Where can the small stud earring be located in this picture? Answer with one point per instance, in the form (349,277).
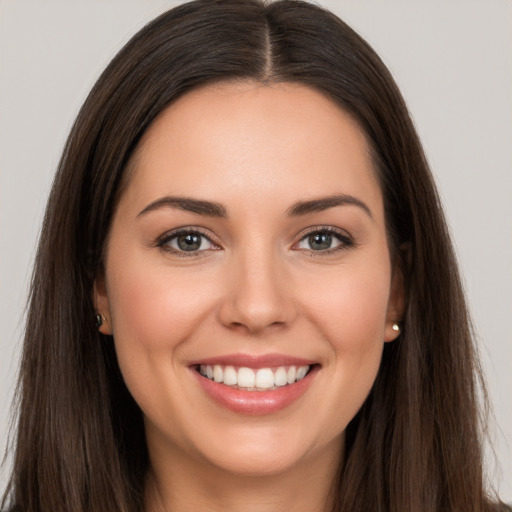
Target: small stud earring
(396,327)
(99,320)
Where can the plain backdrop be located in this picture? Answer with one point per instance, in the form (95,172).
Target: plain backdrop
(452,60)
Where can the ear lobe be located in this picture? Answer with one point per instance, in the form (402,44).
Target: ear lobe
(101,305)
(396,304)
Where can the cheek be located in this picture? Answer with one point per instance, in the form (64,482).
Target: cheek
(153,306)
(351,317)
(350,310)
(154,310)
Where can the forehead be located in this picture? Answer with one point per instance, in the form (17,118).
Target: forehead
(279,140)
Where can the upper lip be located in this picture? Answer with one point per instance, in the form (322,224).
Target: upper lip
(254,361)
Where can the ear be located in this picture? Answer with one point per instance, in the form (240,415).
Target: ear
(396,304)
(101,304)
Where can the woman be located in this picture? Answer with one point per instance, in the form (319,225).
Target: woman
(242,305)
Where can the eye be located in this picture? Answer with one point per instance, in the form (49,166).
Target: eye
(325,239)
(186,241)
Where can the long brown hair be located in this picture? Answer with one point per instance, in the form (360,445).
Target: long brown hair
(415,444)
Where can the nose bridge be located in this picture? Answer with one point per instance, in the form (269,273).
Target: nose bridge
(257,296)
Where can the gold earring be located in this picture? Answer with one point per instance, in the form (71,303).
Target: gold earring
(396,327)
(100,319)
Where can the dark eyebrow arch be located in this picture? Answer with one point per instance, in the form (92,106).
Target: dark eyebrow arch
(324,203)
(188,204)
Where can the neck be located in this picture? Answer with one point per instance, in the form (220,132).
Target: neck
(197,486)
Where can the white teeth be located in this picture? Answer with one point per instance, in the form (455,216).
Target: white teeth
(247,378)
(301,372)
(292,373)
(230,376)
(280,377)
(265,378)
(218,374)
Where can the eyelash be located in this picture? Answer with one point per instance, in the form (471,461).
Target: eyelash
(346,241)
(168,237)
(344,238)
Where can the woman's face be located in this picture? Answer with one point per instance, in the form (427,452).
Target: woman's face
(250,245)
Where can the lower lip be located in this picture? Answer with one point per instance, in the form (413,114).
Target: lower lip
(256,402)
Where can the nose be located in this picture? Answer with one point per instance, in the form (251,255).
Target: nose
(258,294)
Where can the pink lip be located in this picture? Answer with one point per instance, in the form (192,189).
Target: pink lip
(256,402)
(254,361)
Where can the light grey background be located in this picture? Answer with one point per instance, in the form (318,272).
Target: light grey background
(452,60)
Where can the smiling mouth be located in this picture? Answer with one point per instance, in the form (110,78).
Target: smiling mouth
(249,379)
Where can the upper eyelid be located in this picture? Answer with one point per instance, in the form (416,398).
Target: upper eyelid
(318,229)
(346,240)
(168,235)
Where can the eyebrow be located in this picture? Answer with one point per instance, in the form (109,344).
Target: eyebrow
(212,209)
(324,203)
(188,204)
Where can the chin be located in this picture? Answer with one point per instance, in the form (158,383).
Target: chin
(262,462)
(267,450)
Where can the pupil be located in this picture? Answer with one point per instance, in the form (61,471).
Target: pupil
(320,241)
(189,242)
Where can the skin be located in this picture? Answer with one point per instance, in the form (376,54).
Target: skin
(257,288)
